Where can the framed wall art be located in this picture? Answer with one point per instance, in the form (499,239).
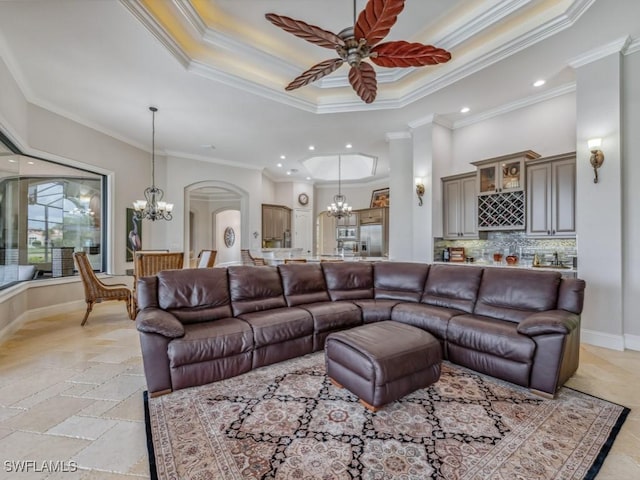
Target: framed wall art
(134,234)
(380,198)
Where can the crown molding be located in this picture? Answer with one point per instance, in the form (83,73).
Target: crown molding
(632,47)
(617,46)
(389,136)
(430,119)
(337,104)
(518,104)
(138,11)
(217,161)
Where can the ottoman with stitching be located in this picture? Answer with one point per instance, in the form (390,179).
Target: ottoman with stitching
(382,362)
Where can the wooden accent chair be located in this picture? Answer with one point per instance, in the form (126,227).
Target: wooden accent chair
(148,264)
(96,292)
(248,259)
(206,258)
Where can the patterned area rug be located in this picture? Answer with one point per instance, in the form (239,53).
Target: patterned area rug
(287,421)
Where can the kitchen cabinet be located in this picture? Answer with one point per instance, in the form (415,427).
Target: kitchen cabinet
(551,196)
(276,225)
(501,191)
(460,206)
(372,215)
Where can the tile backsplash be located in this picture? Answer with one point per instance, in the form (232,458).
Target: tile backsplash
(511,243)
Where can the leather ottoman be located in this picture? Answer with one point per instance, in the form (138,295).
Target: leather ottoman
(382,362)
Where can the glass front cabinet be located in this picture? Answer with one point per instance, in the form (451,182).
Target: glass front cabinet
(501,186)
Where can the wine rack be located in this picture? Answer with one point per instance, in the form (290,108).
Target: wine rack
(502,211)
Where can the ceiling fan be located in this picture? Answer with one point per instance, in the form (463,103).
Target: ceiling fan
(355,44)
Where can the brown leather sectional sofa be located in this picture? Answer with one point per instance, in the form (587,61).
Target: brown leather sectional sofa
(202,325)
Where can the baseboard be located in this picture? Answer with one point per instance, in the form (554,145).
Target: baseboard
(632,342)
(601,339)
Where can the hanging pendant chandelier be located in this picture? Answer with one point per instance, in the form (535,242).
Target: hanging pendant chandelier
(153,207)
(339,208)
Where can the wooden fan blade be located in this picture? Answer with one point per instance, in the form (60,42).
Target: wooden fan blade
(310,33)
(377,18)
(314,73)
(363,81)
(405,54)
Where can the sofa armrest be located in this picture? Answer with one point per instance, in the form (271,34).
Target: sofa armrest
(550,321)
(156,320)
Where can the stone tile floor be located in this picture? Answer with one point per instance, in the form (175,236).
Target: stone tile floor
(73,395)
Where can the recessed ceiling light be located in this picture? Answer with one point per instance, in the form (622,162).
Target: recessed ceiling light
(539,83)
(348,145)
(308,178)
(279,165)
(465,110)
(30,162)
(282,157)
(11,160)
(288,172)
(311,147)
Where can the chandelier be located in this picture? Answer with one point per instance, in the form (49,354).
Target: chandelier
(339,208)
(153,207)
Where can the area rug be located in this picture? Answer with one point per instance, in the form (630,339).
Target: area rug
(287,421)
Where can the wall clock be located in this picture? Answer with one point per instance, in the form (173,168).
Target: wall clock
(303,198)
(229,237)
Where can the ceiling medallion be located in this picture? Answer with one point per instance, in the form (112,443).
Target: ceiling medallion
(357,43)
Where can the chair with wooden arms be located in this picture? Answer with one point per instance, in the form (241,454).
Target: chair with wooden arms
(248,259)
(206,258)
(148,264)
(95,291)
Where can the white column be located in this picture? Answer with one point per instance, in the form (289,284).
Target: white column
(599,205)
(401,196)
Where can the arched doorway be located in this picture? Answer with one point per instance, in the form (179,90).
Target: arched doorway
(205,206)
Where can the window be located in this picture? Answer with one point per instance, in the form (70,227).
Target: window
(47,211)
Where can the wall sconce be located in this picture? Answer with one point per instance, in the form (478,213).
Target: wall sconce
(419,190)
(597,157)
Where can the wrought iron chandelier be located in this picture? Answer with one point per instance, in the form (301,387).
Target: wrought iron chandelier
(153,207)
(339,208)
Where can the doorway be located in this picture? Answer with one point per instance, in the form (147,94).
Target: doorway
(213,206)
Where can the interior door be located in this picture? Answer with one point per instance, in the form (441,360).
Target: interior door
(302,230)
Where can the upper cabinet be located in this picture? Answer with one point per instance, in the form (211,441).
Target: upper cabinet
(551,196)
(460,206)
(276,225)
(501,187)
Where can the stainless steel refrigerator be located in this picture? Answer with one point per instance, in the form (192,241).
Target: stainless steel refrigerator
(371,240)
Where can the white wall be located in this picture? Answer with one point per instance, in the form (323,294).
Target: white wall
(546,127)
(631,199)
(228,255)
(599,210)
(39,132)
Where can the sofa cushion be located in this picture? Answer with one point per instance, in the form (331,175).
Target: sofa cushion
(452,286)
(488,335)
(510,294)
(203,342)
(399,280)
(278,325)
(254,289)
(348,280)
(303,283)
(374,310)
(329,316)
(194,295)
(427,317)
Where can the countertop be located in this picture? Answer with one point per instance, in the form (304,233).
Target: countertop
(563,270)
